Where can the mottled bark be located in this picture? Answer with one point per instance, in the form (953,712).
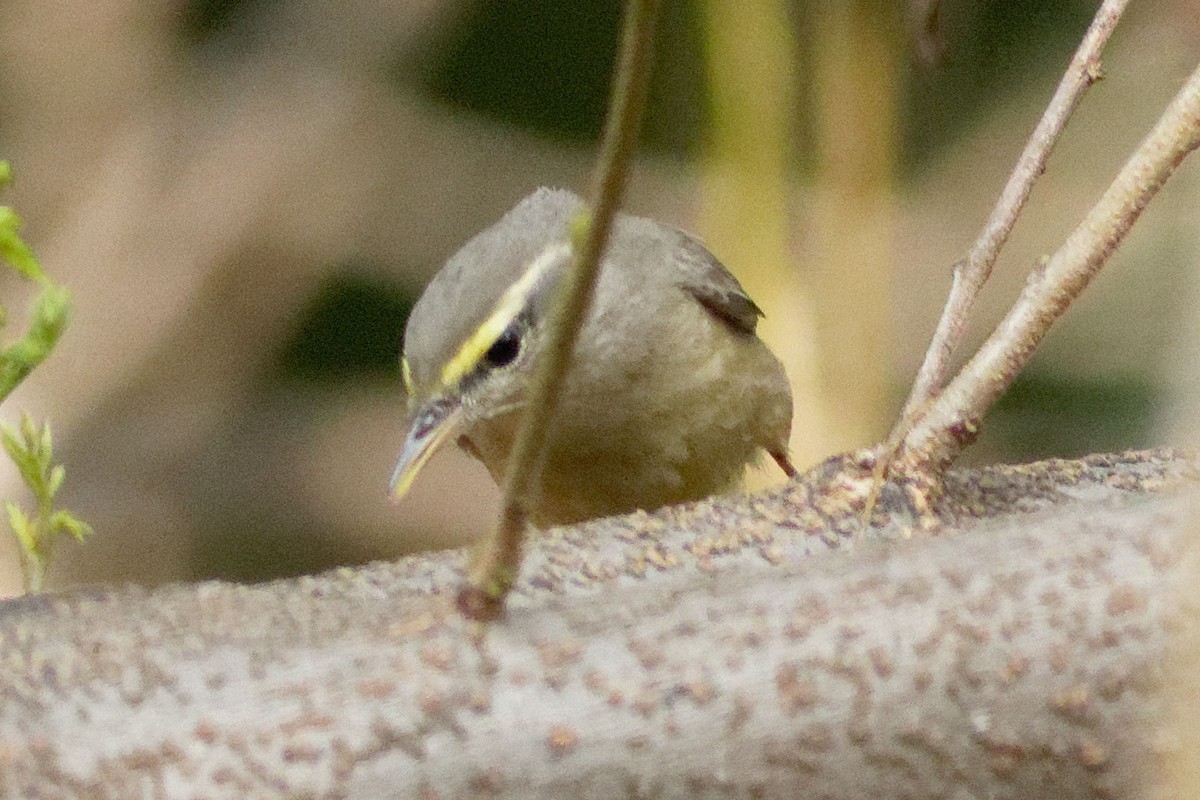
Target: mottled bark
(749,647)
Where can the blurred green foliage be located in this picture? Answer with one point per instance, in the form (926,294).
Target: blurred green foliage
(546,65)
(31,447)
(351,329)
(1046,415)
(203,22)
(245,548)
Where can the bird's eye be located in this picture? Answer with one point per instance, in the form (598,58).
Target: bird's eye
(504,350)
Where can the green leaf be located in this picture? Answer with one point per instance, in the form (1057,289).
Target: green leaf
(29,432)
(14,250)
(26,461)
(57,475)
(65,520)
(8,438)
(51,313)
(45,445)
(21,526)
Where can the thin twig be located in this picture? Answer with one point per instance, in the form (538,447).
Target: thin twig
(939,435)
(972,272)
(494,568)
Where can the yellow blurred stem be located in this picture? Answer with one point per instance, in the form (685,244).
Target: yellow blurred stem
(856,52)
(751,61)
(826,322)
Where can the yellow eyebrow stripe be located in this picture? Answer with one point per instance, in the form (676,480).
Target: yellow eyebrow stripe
(406,375)
(510,304)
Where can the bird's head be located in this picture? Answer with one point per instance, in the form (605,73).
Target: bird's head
(473,336)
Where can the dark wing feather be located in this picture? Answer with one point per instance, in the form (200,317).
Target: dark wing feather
(705,279)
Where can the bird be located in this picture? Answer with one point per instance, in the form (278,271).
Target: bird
(669,393)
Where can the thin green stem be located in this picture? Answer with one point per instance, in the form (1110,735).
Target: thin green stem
(495,567)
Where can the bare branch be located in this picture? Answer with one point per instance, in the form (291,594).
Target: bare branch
(971,273)
(493,572)
(942,432)
(694,652)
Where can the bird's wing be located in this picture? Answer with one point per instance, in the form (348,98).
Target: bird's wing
(707,280)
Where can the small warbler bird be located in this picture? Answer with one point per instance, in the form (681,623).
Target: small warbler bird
(669,392)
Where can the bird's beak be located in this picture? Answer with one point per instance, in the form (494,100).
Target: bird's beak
(434,421)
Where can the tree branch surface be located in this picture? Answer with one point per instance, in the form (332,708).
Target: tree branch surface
(751,646)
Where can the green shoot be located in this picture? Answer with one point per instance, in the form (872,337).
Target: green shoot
(30,447)
(31,450)
(51,308)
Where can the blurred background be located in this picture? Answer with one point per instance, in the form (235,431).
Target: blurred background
(246,197)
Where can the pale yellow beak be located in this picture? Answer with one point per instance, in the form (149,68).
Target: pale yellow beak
(434,422)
